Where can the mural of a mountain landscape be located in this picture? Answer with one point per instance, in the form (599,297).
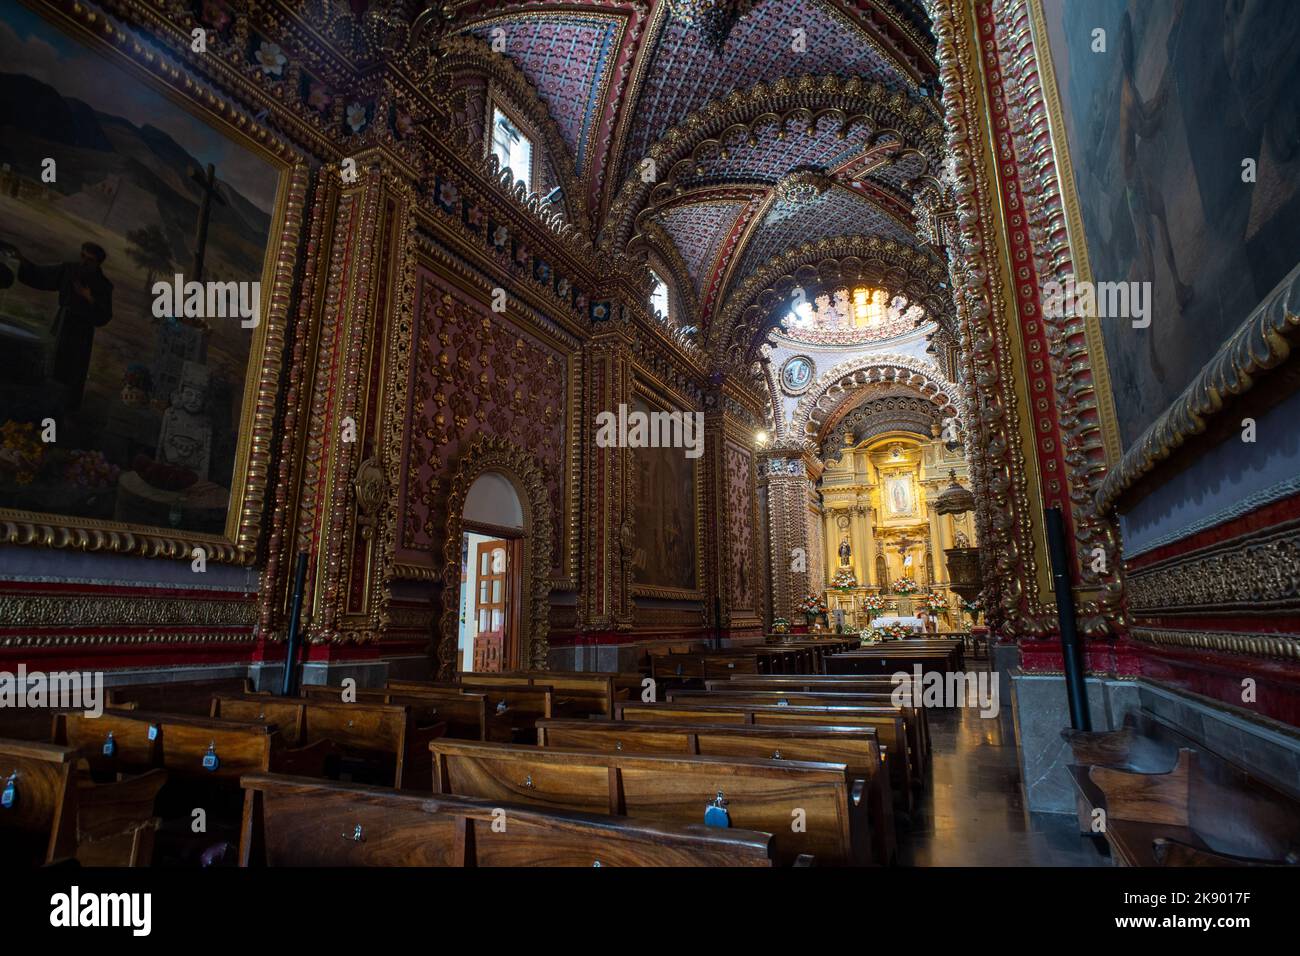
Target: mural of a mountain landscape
(149,436)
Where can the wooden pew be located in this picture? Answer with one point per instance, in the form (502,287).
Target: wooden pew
(887,659)
(578,693)
(57,814)
(1199,808)
(762,794)
(463,712)
(915,719)
(296,821)
(512,710)
(888,723)
(181,744)
(179,697)
(855,747)
(392,737)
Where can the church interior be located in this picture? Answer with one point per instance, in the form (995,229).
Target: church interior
(650,433)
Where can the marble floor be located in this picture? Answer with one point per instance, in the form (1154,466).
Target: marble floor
(971,812)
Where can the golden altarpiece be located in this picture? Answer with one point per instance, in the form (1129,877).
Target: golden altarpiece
(882,529)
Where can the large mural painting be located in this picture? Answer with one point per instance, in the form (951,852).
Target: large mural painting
(1209,220)
(664,516)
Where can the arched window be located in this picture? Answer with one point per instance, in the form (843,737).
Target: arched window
(513,150)
(658,296)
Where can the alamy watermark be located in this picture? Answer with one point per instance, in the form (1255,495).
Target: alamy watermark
(208,300)
(1105,300)
(58,690)
(950,689)
(637,429)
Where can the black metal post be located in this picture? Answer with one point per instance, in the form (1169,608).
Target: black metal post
(1071,648)
(289,686)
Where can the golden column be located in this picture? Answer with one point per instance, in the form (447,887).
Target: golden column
(937,543)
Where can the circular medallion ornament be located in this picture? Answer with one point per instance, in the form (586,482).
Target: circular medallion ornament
(797,374)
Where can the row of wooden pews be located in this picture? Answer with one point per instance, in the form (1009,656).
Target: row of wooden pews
(544,768)
(1162,799)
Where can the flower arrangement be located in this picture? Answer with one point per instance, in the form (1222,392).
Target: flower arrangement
(845,579)
(934,603)
(780,626)
(21,451)
(905,586)
(812,604)
(972,608)
(873,604)
(898,630)
(90,469)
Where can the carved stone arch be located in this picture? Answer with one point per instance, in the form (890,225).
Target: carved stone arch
(729,123)
(826,394)
(917,274)
(466,52)
(496,454)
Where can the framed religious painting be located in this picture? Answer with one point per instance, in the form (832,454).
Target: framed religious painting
(141,238)
(899,495)
(1181,141)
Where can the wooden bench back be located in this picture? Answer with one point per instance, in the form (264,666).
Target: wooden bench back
(40,827)
(576,693)
(287,714)
(891,731)
(294,821)
(179,697)
(762,794)
(855,747)
(806,682)
(59,814)
(179,744)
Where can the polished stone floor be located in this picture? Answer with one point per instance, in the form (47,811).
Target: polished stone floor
(971,812)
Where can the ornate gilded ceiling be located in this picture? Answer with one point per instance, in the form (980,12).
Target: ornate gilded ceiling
(732,103)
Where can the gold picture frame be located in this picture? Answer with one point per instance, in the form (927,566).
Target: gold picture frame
(213,106)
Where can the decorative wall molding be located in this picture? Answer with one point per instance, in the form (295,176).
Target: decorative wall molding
(1259,571)
(1274,646)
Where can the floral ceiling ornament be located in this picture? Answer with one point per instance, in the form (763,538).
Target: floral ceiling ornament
(271,58)
(713,18)
(356,116)
(802,185)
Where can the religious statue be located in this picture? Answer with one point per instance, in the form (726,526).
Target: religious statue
(846,552)
(186,437)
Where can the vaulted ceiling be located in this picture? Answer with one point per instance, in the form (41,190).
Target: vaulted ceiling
(767,124)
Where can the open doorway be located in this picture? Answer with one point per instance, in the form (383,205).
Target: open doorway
(491,589)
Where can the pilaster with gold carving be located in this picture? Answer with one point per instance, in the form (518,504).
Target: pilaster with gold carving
(608,536)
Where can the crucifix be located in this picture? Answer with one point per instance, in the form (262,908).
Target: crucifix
(207,181)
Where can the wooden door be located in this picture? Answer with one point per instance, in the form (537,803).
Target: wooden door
(491,601)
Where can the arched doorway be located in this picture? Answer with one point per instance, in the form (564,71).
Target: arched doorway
(499,494)
(491,587)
